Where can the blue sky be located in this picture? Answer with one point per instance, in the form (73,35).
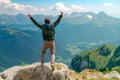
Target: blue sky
(111,7)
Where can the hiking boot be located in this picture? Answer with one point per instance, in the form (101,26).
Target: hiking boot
(52,66)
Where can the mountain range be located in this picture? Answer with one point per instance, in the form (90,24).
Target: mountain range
(74,18)
(87,24)
(21,40)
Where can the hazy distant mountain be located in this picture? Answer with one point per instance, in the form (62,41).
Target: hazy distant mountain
(20,19)
(73,18)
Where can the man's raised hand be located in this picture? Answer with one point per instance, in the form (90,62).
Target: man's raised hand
(61,13)
(29,15)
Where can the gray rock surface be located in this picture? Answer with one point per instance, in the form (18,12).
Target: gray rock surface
(113,74)
(36,72)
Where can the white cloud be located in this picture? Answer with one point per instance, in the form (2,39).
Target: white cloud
(59,7)
(5,1)
(7,7)
(78,8)
(108,4)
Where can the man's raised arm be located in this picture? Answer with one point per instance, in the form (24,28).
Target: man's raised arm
(58,20)
(35,22)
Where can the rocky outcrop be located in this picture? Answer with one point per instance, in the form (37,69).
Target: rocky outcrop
(113,74)
(36,72)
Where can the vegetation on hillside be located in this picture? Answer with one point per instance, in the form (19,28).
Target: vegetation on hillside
(99,59)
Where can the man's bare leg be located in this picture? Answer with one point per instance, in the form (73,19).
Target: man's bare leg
(52,62)
(52,50)
(45,46)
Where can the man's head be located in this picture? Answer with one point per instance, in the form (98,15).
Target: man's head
(47,20)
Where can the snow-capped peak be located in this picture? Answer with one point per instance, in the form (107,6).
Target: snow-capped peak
(89,16)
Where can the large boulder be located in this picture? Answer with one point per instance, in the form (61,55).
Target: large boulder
(36,72)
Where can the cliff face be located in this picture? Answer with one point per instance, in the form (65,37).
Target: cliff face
(36,72)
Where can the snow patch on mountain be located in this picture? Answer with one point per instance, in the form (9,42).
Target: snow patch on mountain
(89,16)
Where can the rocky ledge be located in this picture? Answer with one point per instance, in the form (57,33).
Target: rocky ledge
(36,72)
